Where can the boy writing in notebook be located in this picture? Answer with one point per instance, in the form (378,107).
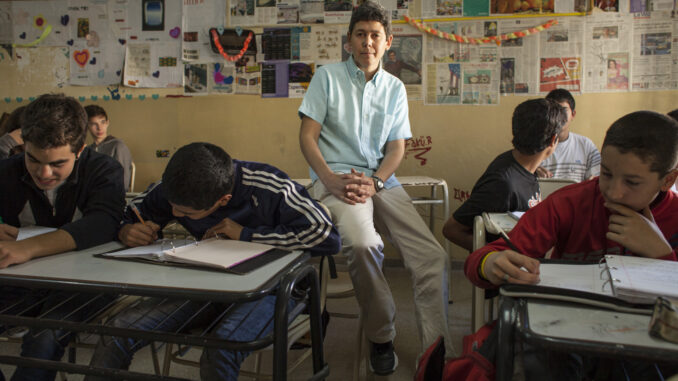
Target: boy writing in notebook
(210,194)
(353,130)
(509,182)
(628,210)
(58,183)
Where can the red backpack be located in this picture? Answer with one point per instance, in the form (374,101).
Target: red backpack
(475,364)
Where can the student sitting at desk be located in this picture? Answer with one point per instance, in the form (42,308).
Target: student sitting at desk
(108,144)
(56,183)
(576,157)
(208,193)
(628,210)
(509,182)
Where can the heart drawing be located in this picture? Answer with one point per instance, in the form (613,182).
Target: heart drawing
(81,57)
(175,32)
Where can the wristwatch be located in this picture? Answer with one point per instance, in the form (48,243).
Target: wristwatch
(378,183)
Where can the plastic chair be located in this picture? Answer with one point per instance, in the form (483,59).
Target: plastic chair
(477,293)
(548,186)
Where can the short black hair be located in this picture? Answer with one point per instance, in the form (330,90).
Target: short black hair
(673,114)
(651,136)
(535,122)
(197,175)
(95,110)
(370,11)
(561,95)
(54,120)
(13,121)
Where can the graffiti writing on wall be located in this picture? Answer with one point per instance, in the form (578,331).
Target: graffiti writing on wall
(418,147)
(461,195)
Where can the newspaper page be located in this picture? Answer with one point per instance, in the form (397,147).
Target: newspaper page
(442,50)
(442,8)
(518,68)
(326,43)
(300,74)
(338,11)
(652,61)
(248,79)
(607,47)
(312,11)
(561,50)
(481,84)
(404,60)
(443,84)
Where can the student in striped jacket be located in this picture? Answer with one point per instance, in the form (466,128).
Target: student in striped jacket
(210,194)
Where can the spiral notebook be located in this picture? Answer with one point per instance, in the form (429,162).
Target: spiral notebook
(625,279)
(223,254)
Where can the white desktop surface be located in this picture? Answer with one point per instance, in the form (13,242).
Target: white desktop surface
(591,324)
(81,267)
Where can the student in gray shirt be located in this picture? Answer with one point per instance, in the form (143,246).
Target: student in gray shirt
(108,144)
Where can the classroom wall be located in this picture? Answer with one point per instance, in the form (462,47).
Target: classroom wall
(463,139)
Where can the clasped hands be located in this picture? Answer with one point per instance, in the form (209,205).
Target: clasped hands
(351,188)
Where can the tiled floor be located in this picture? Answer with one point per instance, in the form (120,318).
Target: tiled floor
(340,343)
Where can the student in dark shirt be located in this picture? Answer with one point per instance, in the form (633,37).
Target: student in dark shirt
(509,182)
(57,183)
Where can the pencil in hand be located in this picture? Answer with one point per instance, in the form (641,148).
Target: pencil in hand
(136,211)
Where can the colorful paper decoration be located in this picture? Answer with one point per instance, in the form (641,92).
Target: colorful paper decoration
(483,40)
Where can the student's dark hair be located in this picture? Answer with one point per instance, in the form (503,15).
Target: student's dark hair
(370,11)
(535,123)
(673,114)
(54,120)
(651,136)
(197,175)
(13,122)
(561,95)
(95,110)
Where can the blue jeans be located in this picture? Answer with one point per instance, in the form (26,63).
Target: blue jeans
(245,322)
(41,343)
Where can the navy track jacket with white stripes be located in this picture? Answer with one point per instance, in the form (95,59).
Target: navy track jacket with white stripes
(271,208)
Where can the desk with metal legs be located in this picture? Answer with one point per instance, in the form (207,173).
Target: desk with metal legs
(576,328)
(82,272)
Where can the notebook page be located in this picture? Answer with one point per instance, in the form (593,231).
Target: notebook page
(588,278)
(223,253)
(32,231)
(639,276)
(154,250)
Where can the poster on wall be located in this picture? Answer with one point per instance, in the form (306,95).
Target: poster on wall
(198,18)
(195,79)
(153,65)
(300,74)
(96,65)
(443,84)
(404,61)
(248,79)
(154,20)
(221,77)
(40,23)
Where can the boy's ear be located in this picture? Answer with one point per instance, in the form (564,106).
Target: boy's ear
(223,200)
(669,180)
(574,113)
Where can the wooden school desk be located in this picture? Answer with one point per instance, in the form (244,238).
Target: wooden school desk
(577,328)
(78,271)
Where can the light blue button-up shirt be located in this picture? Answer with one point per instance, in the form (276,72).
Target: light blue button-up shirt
(358,118)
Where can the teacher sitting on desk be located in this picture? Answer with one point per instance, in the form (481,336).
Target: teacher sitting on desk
(628,210)
(210,194)
(56,183)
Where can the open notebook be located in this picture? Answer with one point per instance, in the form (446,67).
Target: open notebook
(634,280)
(222,254)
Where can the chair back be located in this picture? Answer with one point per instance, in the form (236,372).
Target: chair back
(132,175)
(548,186)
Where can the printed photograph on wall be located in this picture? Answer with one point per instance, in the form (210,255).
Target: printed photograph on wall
(448,84)
(153,15)
(242,8)
(618,71)
(560,72)
(655,44)
(195,79)
(404,58)
(507,75)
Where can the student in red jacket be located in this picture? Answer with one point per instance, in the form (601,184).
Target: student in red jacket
(628,210)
